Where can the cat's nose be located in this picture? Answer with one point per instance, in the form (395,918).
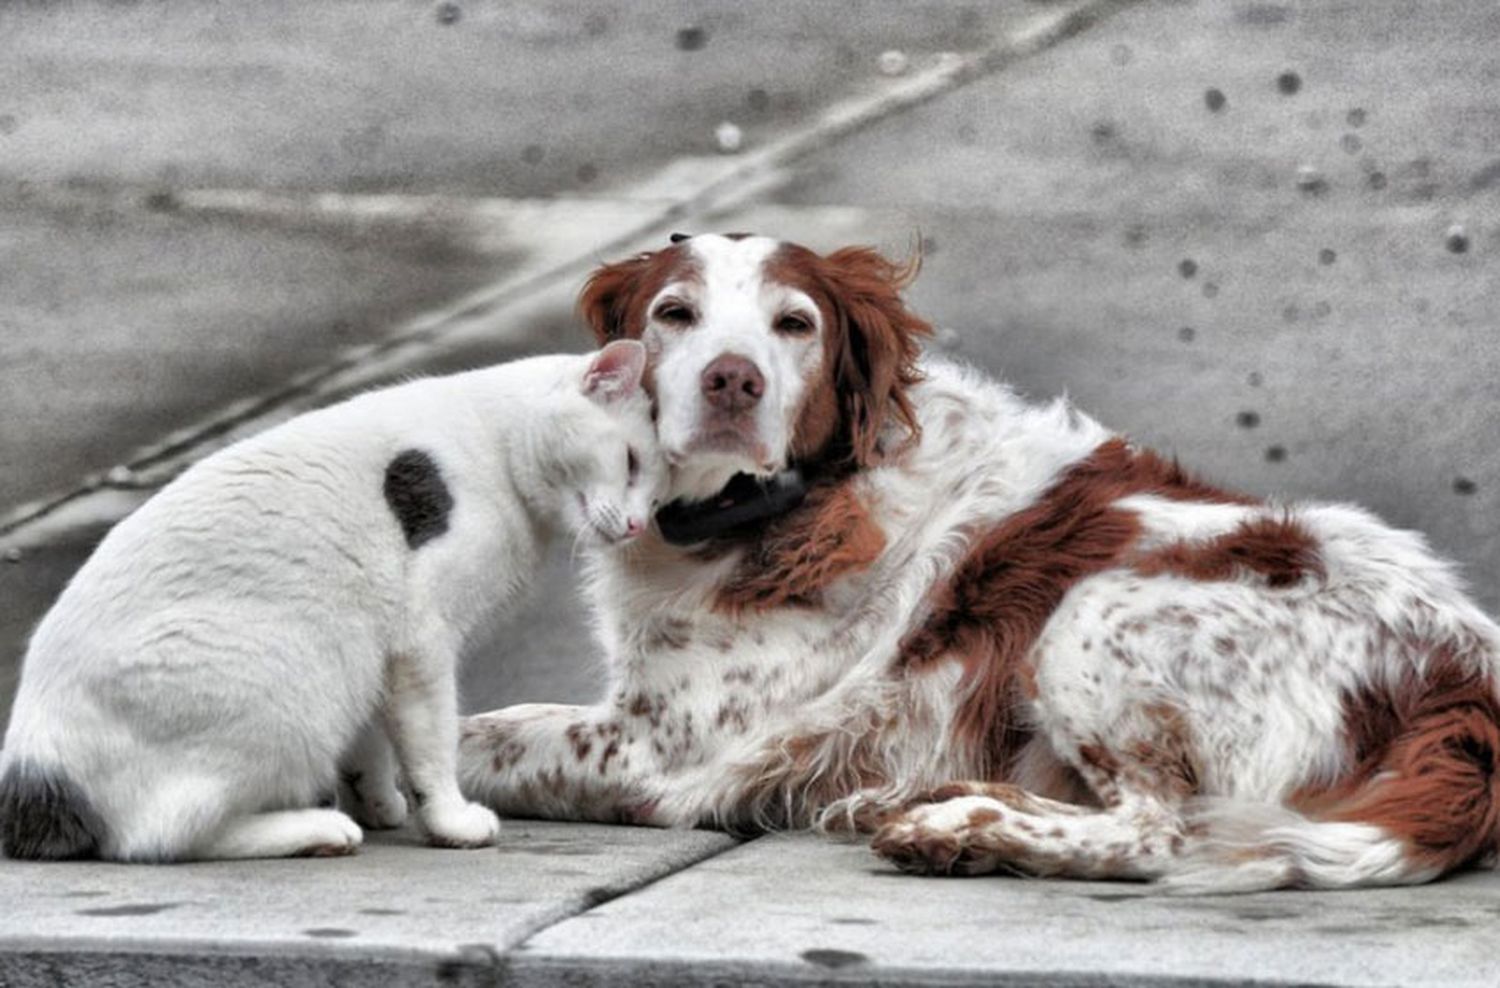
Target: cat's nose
(634,527)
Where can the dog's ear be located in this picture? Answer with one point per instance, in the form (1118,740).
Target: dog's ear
(876,346)
(605,300)
(614,299)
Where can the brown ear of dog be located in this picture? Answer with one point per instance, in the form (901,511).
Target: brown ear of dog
(871,347)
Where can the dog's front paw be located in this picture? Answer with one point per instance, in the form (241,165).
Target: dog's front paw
(460,825)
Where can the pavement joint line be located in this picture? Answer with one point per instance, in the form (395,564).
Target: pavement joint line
(719,188)
(604,894)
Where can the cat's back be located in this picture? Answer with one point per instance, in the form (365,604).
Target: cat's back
(305,506)
(290,522)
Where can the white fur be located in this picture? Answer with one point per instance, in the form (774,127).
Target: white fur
(201,677)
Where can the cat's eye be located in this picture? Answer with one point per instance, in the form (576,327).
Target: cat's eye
(632,464)
(675,312)
(794,324)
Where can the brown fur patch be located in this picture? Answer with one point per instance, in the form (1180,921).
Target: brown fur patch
(984,816)
(1166,762)
(1425,755)
(1280,550)
(578,737)
(830,536)
(993,608)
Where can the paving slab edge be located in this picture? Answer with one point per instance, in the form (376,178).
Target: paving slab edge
(148,969)
(566,972)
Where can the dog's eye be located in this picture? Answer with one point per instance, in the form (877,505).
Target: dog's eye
(675,313)
(793,324)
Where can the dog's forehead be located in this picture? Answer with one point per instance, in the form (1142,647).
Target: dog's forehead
(732,265)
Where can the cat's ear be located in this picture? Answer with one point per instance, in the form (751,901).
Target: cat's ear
(615,372)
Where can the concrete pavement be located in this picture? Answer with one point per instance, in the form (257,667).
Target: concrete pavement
(398,911)
(797,909)
(1227,228)
(582,905)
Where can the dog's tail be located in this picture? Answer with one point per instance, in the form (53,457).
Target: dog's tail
(45,816)
(1424,803)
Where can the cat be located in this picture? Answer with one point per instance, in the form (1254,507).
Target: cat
(192,692)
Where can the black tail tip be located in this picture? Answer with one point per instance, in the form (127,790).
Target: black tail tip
(45,816)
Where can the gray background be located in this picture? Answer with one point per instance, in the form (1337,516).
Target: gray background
(204,207)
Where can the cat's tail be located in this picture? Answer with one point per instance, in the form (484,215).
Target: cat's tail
(45,816)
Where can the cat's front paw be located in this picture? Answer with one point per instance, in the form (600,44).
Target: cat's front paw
(461,825)
(385,811)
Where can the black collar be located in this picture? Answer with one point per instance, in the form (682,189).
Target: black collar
(745,502)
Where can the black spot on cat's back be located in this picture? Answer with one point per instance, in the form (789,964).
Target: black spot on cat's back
(417,496)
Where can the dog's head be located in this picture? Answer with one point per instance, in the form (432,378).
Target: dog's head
(764,353)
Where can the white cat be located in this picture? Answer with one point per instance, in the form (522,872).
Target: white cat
(193,690)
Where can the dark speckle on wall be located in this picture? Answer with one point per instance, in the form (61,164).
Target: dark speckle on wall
(691,39)
(834,958)
(131,909)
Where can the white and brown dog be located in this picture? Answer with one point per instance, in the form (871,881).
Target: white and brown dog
(994,633)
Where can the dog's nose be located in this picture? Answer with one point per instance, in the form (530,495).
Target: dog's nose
(733,383)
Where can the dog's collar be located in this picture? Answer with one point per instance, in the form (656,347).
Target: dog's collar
(744,502)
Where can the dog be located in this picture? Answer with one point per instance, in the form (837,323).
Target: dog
(894,599)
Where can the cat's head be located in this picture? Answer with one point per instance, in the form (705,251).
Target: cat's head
(617,473)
